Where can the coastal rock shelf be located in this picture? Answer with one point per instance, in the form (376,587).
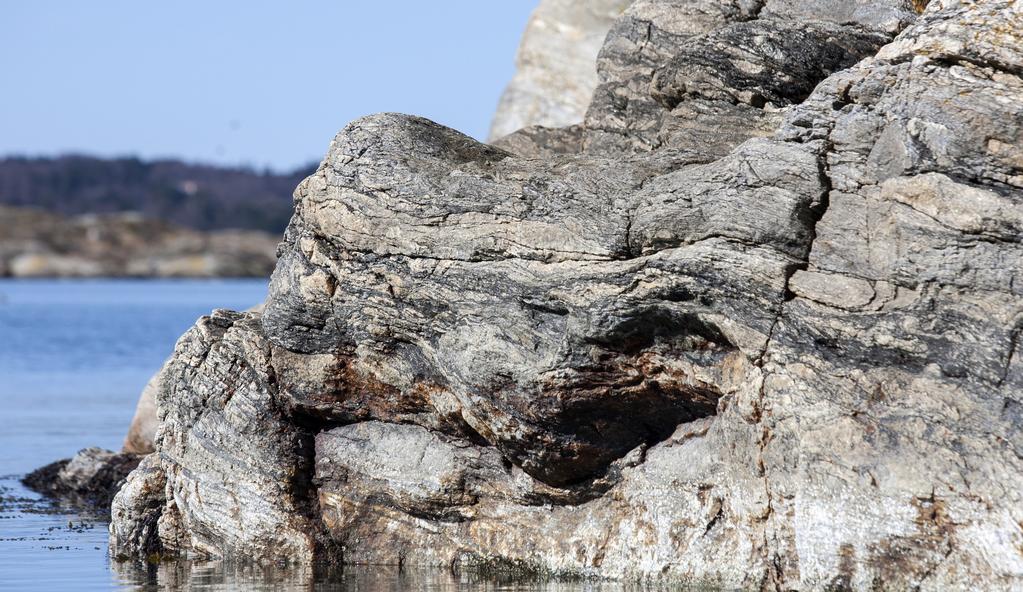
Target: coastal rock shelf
(39,244)
(754,322)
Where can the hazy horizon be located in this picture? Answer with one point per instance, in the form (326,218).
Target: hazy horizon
(258,84)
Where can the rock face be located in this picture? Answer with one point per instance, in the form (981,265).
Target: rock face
(218,423)
(39,244)
(555,75)
(141,436)
(756,322)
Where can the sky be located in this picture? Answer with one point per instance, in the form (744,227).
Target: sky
(256,83)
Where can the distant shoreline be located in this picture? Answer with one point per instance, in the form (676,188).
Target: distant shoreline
(39,244)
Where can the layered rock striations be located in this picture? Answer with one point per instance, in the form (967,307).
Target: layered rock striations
(755,322)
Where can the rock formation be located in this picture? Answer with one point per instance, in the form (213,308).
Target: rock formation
(34,243)
(141,435)
(755,322)
(88,480)
(555,75)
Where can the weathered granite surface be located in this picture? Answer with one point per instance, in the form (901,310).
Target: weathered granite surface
(34,243)
(756,322)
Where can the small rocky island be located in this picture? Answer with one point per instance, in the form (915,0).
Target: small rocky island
(754,321)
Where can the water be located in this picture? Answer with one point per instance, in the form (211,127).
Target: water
(74,355)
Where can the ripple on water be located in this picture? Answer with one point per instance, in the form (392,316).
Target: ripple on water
(63,549)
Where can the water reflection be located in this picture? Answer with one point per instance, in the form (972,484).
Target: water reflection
(221,576)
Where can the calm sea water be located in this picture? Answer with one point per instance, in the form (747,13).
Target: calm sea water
(74,356)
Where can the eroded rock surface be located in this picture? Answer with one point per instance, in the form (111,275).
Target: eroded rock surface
(756,322)
(141,436)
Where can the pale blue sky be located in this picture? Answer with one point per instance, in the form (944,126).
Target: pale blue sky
(255,82)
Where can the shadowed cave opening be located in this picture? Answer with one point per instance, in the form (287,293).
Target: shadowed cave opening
(656,370)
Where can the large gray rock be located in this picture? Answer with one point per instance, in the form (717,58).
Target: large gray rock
(755,323)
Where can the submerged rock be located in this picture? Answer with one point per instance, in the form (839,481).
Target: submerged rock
(555,74)
(90,479)
(755,322)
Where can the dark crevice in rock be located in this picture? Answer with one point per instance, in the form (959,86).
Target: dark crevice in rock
(948,61)
(307,499)
(637,390)
(629,252)
(1014,343)
(811,215)
(1000,186)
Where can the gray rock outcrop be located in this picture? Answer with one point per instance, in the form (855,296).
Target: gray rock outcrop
(555,74)
(141,436)
(755,322)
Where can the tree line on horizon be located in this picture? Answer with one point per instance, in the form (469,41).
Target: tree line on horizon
(198,196)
